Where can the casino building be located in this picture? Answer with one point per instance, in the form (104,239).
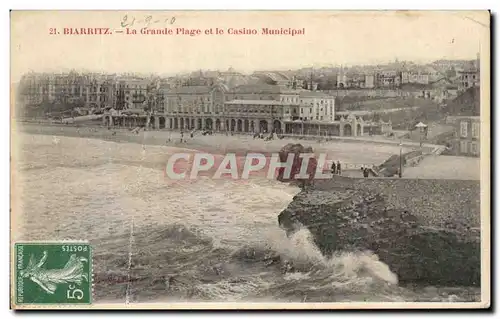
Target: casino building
(249,108)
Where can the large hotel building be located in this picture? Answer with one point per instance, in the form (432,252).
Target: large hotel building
(252,108)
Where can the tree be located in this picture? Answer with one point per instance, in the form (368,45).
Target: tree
(305,85)
(120,99)
(331,84)
(451,73)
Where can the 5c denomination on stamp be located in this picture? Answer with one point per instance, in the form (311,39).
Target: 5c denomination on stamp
(53,273)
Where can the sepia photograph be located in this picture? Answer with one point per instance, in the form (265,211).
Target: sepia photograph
(250,159)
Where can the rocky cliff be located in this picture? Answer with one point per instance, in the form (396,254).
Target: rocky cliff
(426,231)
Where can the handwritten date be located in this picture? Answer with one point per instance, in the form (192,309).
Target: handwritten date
(147,20)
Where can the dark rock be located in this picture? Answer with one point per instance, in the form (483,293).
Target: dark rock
(400,220)
(296,149)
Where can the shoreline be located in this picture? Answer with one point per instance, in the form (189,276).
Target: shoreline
(372,140)
(345,151)
(352,155)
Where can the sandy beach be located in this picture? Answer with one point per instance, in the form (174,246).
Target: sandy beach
(346,152)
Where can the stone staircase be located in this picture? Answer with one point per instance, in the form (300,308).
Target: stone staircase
(438,150)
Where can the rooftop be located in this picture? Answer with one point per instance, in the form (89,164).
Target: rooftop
(273,75)
(470,67)
(194,89)
(306,93)
(235,80)
(253,102)
(467,103)
(131,80)
(260,88)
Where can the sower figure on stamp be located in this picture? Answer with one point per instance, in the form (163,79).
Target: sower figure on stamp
(48,279)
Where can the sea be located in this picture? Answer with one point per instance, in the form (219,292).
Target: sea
(201,240)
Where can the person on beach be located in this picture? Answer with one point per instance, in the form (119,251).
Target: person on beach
(339,168)
(334,168)
(365,172)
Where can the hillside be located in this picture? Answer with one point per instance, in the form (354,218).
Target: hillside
(466,104)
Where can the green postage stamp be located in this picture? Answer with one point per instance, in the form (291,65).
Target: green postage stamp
(53,273)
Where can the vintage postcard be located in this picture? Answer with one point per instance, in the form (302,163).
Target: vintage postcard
(250,159)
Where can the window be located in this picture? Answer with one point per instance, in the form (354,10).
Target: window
(463,129)
(301,110)
(463,146)
(474,148)
(475,130)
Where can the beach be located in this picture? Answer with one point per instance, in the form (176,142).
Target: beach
(338,150)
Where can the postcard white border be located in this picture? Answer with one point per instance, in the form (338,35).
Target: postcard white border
(257,5)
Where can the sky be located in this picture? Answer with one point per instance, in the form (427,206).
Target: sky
(331,38)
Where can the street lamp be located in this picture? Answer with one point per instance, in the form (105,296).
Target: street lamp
(400,159)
